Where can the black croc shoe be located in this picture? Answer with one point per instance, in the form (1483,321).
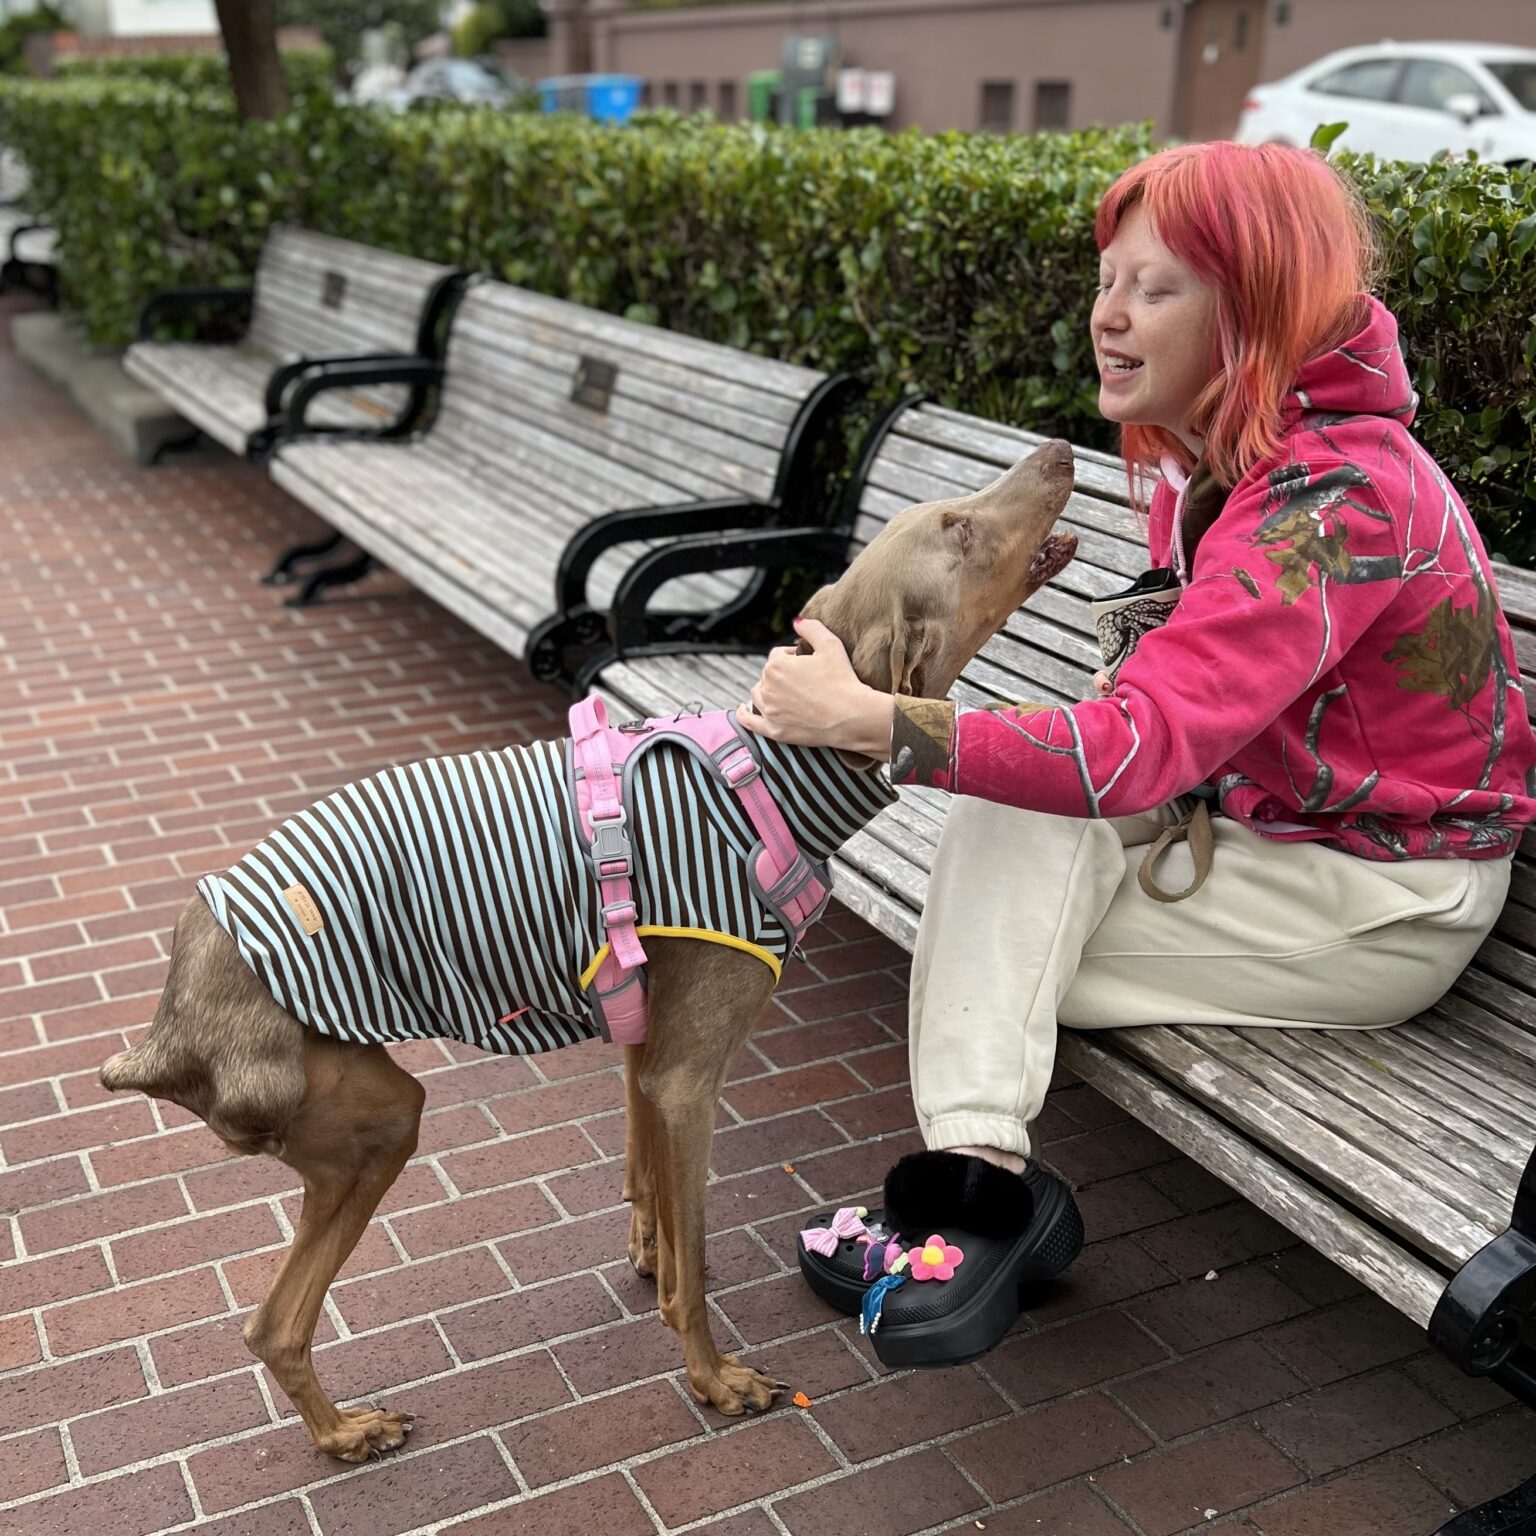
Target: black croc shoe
(838,1277)
(950,1322)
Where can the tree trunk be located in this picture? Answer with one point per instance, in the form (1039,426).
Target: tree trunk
(256,71)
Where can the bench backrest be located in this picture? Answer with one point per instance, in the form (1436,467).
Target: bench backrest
(1048,650)
(317,296)
(661,417)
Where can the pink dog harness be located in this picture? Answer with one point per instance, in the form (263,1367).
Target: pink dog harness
(794,888)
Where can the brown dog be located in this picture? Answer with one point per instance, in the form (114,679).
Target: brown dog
(912,609)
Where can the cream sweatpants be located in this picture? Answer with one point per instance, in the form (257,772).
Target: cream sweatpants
(1033,921)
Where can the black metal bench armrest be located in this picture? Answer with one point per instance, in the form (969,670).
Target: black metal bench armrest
(286,375)
(159,307)
(631,524)
(419,372)
(770,549)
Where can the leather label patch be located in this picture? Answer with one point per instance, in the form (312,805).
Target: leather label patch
(593,384)
(304,909)
(333,289)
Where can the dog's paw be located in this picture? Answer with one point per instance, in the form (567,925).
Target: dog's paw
(365,1432)
(734,1388)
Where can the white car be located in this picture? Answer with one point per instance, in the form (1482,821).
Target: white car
(1406,101)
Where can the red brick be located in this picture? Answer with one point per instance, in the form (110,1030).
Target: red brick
(134,1504)
(816,1042)
(1075,1510)
(732,1469)
(1387,1496)
(374,1363)
(133,1310)
(572,1246)
(911,1493)
(185,1243)
(75,1132)
(600,1504)
(531,1316)
(69,1387)
(44,997)
(209,1349)
(236,1179)
(1201,1312)
(860,1169)
(580,1193)
(173,1421)
(781,1091)
(1356,1336)
(419,1288)
(536,1107)
(25,1066)
(112,1013)
(1172,1490)
(880,1420)
(35,1284)
(31,1463)
(78,1221)
(54,1180)
(559,1445)
(19,1343)
(455,1127)
(875,1114)
(417,1184)
(473,1218)
(475,1080)
(1047,1445)
(167,1152)
(250,1275)
(402,1494)
(503,1162)
(29,1103)
(87,959)
(578,1060)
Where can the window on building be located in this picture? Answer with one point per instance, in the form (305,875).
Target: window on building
(729,111)
(698,95)
(1053,105)
(1240,31)
(997,106)
(1282,13)
(647,95)
(669,93)
(1369,80)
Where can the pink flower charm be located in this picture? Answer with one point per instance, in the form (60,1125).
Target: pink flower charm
(934,1260)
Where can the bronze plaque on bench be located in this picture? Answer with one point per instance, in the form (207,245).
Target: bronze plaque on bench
(593,385)
(333,289)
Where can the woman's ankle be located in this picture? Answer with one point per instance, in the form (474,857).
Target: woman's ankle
(1011,1161)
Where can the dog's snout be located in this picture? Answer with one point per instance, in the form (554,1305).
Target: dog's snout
(1055,455)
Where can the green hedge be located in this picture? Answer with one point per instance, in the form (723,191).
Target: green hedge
(961,265)
(307,70)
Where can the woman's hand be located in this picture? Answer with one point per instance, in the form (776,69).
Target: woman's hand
(817,700)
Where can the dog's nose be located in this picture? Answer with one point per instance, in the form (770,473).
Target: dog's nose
(1057,453)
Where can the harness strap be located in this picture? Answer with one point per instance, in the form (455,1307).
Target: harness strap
(779,871)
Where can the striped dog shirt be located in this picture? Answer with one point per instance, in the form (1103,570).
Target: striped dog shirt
(454,898)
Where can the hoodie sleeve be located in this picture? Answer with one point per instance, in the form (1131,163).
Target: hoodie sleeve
(1297,567)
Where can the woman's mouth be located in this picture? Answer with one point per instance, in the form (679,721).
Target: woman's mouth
(1118,367)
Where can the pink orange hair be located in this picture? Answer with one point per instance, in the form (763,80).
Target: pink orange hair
(1288,248)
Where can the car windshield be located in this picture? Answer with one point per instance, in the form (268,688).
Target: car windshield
(1519,79)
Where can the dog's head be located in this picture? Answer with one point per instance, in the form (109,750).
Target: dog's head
(941,579)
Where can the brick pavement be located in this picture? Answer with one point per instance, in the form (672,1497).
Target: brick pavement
(159,710)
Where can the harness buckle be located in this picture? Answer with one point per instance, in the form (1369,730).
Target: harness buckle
(740,769)
(610,846)
(617,913)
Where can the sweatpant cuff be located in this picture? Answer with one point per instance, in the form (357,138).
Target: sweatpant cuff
(976,1130)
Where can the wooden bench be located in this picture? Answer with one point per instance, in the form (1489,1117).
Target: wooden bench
(1397,1153)
(315,298)
(30,248)
(565,441)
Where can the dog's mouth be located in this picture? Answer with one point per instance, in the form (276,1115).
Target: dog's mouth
(1052,558)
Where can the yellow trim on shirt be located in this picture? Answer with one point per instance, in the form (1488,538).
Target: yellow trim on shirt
(709,936)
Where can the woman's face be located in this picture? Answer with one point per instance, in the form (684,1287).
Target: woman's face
(1152,331)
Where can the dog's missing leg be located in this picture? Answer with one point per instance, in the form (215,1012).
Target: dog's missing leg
(433,900)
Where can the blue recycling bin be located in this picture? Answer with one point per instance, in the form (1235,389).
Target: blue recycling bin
(612,98)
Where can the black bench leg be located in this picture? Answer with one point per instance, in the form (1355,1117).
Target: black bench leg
(340,575)
(1512,1515)
(181,444)
(557,644)
(296,554)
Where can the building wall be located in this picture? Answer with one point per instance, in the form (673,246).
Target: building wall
(1316,27)
(140,18)
(942,54)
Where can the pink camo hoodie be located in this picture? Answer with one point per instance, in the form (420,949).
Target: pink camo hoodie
(1337,666)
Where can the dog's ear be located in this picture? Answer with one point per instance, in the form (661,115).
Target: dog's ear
(891,648)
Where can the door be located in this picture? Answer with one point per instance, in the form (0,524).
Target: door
(1219,54)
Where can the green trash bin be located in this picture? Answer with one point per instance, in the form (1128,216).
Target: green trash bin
(763,88)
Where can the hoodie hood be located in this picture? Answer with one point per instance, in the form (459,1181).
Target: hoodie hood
(1366,376)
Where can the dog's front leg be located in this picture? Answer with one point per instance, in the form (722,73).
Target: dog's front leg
(639,1173)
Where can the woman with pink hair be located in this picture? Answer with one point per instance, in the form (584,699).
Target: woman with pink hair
(1313,690)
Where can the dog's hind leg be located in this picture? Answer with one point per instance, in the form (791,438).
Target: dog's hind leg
(639,1173)
(352,1134)
(704,1000)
